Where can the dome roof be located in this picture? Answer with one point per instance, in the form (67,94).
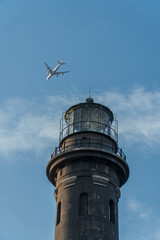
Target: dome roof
(89,100)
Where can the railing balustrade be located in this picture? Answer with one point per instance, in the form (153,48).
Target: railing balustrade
(83,126)
(89,144)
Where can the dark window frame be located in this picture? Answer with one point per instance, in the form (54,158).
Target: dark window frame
(58,213)
(111,211)
(83,204)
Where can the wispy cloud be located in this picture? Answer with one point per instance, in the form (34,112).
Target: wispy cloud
(25,126)
(28,125)
(138,114)
(139,209)
(157,234)
(143,221)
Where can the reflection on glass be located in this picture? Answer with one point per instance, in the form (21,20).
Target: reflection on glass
(101,121)
(70,122)
(77,120)
(94,119)
(107,124)
(85,119)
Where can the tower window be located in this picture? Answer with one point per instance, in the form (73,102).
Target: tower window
(83,204)
(58,213)
(111,211)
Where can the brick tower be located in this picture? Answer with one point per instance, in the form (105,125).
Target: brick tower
(87,169)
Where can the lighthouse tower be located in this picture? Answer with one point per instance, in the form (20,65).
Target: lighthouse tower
(87,169)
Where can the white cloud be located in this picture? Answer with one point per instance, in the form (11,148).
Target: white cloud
(28,125)
(138,115)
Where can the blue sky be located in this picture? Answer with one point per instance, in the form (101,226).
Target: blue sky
(111,47)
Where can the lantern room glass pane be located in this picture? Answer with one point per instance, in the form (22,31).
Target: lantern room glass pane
(70,122)
(107,124)
(107,118)
(101,121)
(77,120)
(85,119)
(94,119)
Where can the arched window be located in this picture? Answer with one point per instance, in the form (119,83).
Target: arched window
(111,211)
(58,213)
(83,204)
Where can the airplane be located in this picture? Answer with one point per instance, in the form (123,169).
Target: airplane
(54,71)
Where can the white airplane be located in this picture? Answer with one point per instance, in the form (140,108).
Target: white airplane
(54,71)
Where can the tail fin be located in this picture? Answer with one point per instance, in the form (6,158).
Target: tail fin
(60,62)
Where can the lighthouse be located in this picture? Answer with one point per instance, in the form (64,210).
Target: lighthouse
(87,169)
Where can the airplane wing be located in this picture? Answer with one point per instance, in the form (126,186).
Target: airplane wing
(48,68)
(57,73)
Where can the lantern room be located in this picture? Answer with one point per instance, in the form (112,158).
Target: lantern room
(89,117)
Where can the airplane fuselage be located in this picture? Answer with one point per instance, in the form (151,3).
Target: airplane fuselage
(51,74)
(56,68)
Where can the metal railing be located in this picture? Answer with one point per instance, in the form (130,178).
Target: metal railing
(89,143)
(83,126)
